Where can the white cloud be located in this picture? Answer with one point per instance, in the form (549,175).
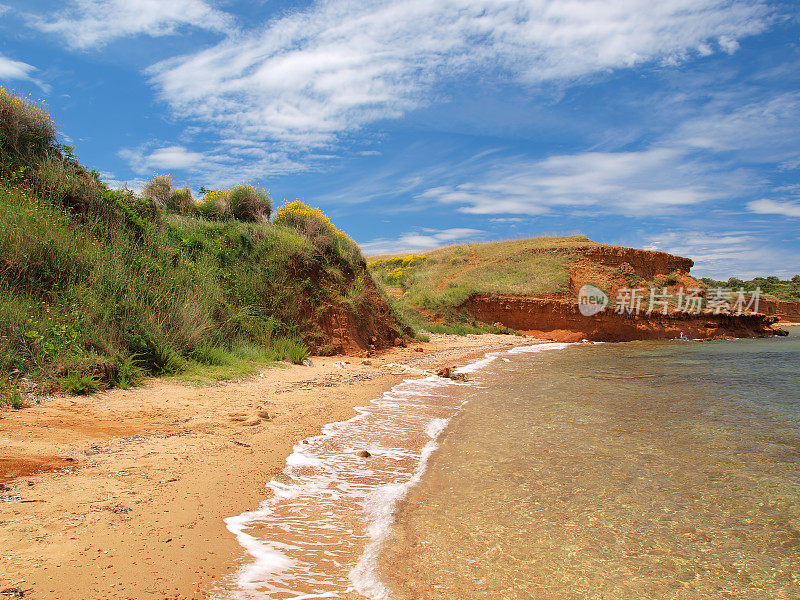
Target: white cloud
(764,131)
(11,70)
(91,23)
(656,181)
(766,206)
(423,239)
(723,255)
(14,69)
(223,165)
(167,157)
(310,77)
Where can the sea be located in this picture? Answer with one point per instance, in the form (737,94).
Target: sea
(640,470)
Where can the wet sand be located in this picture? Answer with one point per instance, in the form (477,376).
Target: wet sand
(136,483)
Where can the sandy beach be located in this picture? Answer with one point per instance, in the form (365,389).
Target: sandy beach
(123,494)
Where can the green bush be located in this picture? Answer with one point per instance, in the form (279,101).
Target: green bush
(159,188)
(10,394)
(249,203)
(181,201)
(76,382)
(290,348)
(129,373)
(216,206)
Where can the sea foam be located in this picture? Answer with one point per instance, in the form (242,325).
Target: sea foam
(320,533)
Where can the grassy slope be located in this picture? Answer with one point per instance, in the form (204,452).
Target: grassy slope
(79,291)
(100,287)
(443,278)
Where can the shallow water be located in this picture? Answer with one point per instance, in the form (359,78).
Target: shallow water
(658,470)
(608,471)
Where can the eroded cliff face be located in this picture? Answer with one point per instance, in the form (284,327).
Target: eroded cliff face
(645,263)
(353,318)
(787,312)
(356,327)
(562,321)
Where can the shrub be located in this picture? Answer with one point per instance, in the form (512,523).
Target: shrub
(181,201)
(128,373)
(297,351)
(26,130)
(75,382)
(216,205)
(249,203)
(318,229)
(62,182)
(10,394)
(159,189)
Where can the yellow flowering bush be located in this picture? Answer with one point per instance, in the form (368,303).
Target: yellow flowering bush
(26,130)
(315,226)
(216,205)
(397,270)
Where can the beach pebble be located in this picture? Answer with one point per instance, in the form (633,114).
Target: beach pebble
(283,478)
(364,454)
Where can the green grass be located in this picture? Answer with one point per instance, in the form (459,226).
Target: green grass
(451,274)
(10,394)
(142,285)
(440,280)
(75,382)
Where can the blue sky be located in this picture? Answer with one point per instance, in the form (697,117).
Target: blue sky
(672,125)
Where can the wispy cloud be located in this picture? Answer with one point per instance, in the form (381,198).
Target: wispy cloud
(15,70)
(225,164)
(312,77)
(759,131)
(92,23)
(422,239)
(767,206)
(656,181)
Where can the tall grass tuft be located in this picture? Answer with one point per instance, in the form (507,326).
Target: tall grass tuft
(27,132)
(181,201)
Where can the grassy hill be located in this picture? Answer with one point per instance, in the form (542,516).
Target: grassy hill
(99,287)
(428,288)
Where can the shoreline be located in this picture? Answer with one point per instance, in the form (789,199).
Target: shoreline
(143,478)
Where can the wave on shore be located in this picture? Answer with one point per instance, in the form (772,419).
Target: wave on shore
(320,533)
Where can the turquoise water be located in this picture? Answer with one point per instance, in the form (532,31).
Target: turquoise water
(663,470)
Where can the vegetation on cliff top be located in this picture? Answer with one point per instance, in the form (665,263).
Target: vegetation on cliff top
(772,286)
(99,286)
(438,281)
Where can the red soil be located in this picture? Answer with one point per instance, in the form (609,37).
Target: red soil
(562,321)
